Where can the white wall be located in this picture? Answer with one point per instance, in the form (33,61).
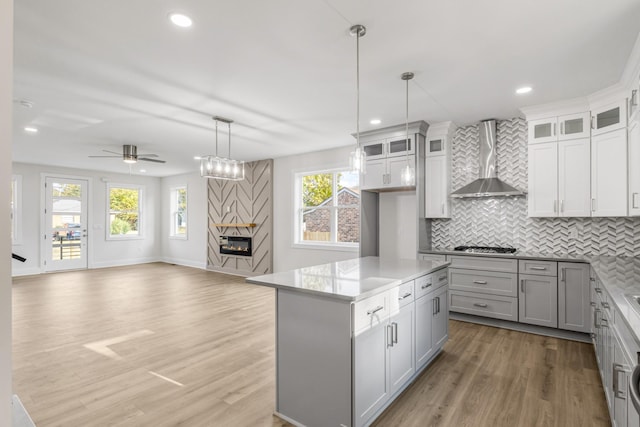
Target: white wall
(192,251)
(285,256)
(398,228)
(6,124)
(102,252)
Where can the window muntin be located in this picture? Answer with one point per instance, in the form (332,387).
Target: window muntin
(124,211)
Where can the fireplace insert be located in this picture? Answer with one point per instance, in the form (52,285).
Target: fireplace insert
(235,245)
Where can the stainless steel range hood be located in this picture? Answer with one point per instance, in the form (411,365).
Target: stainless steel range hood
(488,185)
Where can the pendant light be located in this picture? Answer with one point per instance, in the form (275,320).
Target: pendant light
(357,158)
(216,167)
(408,174)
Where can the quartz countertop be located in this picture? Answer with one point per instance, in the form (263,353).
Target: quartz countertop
(350,280)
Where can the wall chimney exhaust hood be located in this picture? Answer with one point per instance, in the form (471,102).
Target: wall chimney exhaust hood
(488,185)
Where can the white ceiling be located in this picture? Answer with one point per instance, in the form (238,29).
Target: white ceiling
(103,74)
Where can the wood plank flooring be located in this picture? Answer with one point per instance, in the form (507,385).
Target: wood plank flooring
(164,345)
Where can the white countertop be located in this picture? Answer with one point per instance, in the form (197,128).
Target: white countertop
(350,280)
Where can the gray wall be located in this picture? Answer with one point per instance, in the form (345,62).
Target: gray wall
(246,201)
(503,221)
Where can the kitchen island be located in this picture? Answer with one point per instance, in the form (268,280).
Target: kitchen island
(352,335)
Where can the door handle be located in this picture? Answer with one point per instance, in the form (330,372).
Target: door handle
(522,285)
(562,275)
(394,333)
(437,305)
(434,310)
(389,336)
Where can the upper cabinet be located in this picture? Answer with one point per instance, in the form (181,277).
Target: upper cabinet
(559,128)
(634,166)
(609,174)
(609,118)
(437,170)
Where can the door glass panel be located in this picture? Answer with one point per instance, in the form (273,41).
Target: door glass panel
(573,126)
(435,146)
(608,118)
(373,150)
(400,146)
(542,130)
(66,190)
(66,221)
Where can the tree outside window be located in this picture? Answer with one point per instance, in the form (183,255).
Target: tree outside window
(124,211)
(179,212)
(329,208)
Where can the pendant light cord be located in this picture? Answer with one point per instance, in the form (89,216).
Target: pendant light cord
(358,89)
(229,140)
(407,123)
(216,138)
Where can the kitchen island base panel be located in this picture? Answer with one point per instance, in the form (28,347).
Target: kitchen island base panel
(521,327)
(313,355)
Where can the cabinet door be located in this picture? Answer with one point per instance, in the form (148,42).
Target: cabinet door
(400,146)
(375,149)
(424,320)
(608,118)
(634,168)
(375,174)
(440,326)
(401,353)
(371,384)
(607,357)
(620,372)
(395,165)
(543,130)
(538,300)
(436,187)
(574,177)
(609,174)
(574,297)
(574,126)
(437,146)
(543,180)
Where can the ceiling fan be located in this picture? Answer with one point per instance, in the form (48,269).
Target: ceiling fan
(130,155)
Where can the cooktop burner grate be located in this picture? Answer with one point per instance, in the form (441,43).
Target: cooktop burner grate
(485,249)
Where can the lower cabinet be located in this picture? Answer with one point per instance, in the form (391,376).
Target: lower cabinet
(574,297)
(538,300)
(371,372)
(400,344)
(424,327)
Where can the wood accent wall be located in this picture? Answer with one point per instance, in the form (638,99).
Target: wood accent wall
(247,201)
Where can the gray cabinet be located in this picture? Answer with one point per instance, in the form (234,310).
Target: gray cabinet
(621,373)
(573,297)
(371,387)
(424,338)
(538,300)
(432,319)
(440,323)
(401,355)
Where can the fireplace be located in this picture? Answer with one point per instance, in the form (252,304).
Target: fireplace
(235,245)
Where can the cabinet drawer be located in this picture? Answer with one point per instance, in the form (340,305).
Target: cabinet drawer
(431,282)
(505,284)
(370,312)
(498,307)
(401,296)
(432,257)
(485,263)
(541,268)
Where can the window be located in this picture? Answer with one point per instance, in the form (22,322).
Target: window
(16,209)
(124,211)
(179,212)
(328,209)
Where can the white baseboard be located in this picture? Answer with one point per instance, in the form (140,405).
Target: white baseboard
(185,262)
(17,272)
(124,262)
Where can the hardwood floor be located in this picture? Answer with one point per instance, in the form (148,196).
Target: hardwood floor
(164,345)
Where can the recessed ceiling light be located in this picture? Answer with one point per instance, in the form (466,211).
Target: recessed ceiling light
(375,121)
(30,129)
(524,89)
(143,171)
(197,157)
(180,20)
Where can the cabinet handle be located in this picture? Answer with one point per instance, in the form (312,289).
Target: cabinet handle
(593,304)
(562,275)
(605,305)
(592,119)
(604,323)
(438,305)
(375,310)
(598,290)
(394,333)
(593,204)
(561,205)
(522,288)
(442,277)
(617,369)
(480,282)
(538,268)
(561,128)
(477,304)
(425,286)
(554,129)
(555,206)
(592,279)
(407,295)
(389,336)
(634,97)
(595,318)
(634,202)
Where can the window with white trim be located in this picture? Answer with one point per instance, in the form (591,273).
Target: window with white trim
(16,209)
(124,212)
(178,212)
(328,209)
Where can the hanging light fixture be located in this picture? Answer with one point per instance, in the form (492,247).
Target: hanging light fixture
(216,167)
(408,174)
(357,158)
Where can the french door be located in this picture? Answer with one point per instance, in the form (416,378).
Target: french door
(65,231)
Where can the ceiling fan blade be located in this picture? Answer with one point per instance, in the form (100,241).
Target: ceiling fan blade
(147,155)
(151,160)
(112,157)
(112,152)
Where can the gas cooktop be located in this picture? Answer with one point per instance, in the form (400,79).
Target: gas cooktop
(485,249)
